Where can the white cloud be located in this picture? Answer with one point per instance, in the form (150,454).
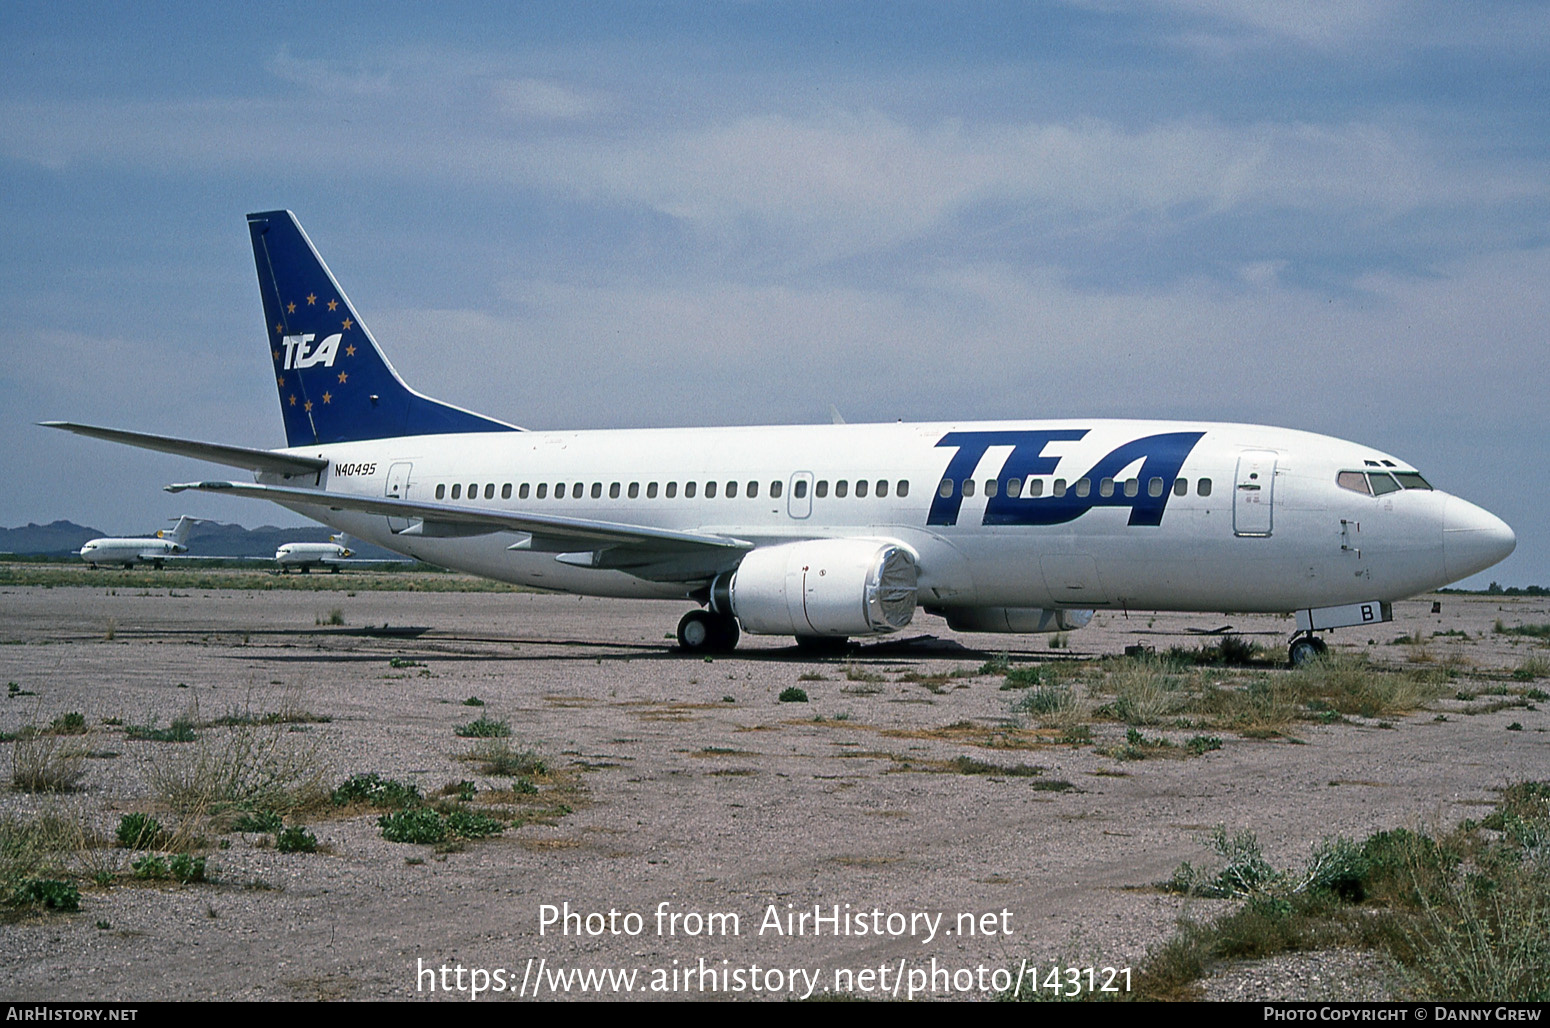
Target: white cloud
(547,100)
(329,77)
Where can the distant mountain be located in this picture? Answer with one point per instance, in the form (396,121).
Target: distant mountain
(56,537)
(207,539)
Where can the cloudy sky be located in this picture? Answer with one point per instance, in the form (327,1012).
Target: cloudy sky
(1333,216)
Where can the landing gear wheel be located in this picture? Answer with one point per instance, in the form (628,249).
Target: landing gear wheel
(1305,648)
(703,631)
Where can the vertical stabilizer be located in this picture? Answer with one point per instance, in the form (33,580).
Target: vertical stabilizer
(335,383)
(179,533)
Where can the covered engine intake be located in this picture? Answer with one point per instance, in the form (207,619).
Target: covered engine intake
(821,587)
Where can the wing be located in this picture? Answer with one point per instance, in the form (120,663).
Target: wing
(658,554)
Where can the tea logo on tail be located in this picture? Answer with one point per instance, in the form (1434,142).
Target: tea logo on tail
(298,356)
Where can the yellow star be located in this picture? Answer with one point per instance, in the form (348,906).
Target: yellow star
(281,380)
(349,351)
(312,298)
(290,308)
(327,397)
(276,354)
(347,323)
(307,407)
(333,304)
(343,377)
(278,329)
(293,399)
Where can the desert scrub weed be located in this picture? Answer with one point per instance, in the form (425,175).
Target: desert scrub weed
(286,709)
(37,847)
(1350,685)
(1245,871)
(792,694)
(181,730)
(1464,915)
(151,867)
(1533,631)
(415,825)
(469,825)
(186,868)
(52,893)
(376,791)
(997,665)
(43,762)
(73,723)
(247,767)
(1146,691)
(484,727)
(295,839)
(180,866)
(427,827)
(498,757)
(140,832)
(1532,668)
(1027,676)
(1047,702)
(267,821)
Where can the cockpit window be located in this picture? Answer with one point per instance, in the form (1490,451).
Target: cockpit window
(1382,484)
(1411,480)
(1354,481)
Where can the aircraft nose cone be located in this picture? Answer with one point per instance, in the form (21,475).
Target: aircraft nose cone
(1472,539)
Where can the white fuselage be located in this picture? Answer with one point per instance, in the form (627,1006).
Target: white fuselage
(310,554)
(129,551)
(1260,523)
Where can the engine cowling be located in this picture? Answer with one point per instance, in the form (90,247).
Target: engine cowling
(821,587)
(1020,620)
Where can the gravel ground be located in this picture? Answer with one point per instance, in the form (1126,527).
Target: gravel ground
(697,793)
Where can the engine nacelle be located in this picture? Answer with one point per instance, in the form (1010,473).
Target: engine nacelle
(1021,620)
(821,587)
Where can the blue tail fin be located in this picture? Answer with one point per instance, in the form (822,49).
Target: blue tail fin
(335,384)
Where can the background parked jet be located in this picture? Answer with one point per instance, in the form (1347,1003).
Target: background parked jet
(151,549)
(305,556)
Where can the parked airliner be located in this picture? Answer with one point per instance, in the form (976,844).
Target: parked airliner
(827,532)
(313,555)
(152,550)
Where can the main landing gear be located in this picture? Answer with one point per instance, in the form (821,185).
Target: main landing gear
(705,631)
(1305,647)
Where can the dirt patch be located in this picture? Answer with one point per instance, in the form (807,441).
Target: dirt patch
(673,811)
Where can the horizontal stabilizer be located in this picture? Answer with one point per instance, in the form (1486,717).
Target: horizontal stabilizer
(216,453)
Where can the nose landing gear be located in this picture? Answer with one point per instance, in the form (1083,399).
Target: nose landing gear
(1305,647)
